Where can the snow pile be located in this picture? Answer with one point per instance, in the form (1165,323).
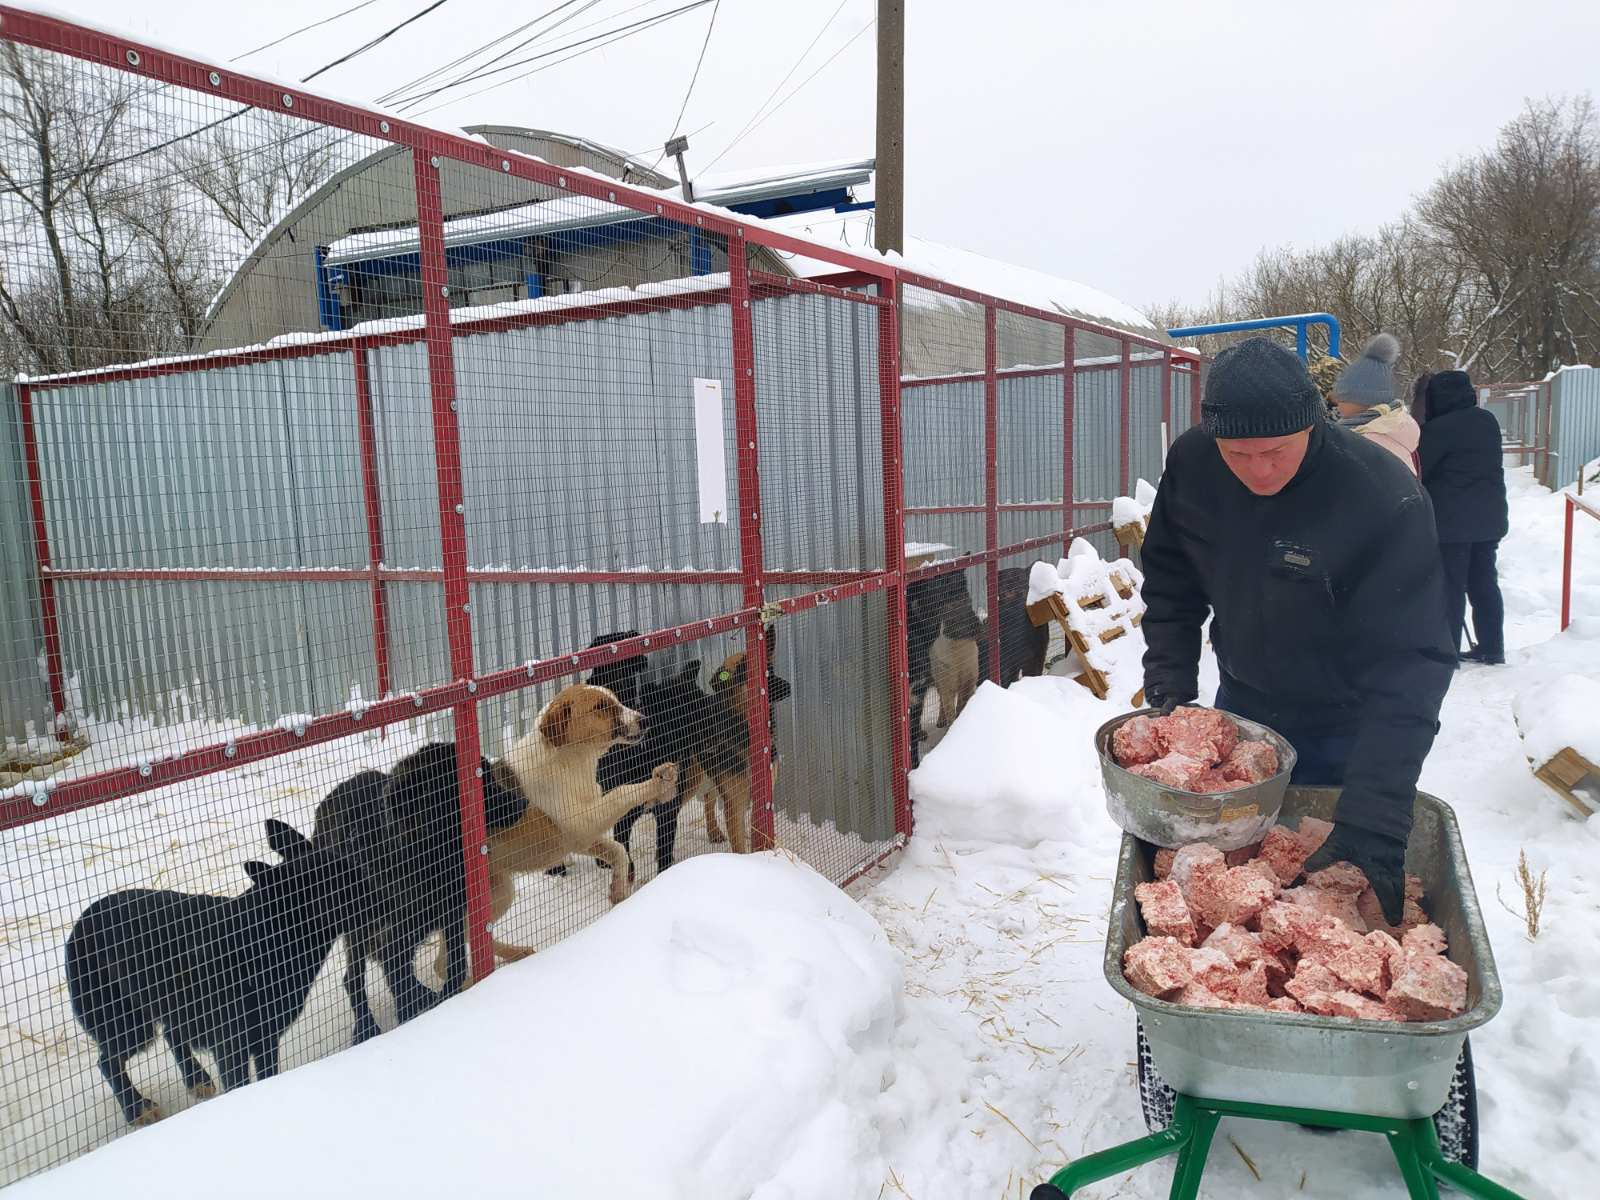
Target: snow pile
(725,1034)
(1134,509)
(1561,715)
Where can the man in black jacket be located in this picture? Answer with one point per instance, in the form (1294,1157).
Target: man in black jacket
(1314,551)
(1463,470)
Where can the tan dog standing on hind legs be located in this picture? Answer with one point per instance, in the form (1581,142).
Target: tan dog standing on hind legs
(554,767)
(724,756)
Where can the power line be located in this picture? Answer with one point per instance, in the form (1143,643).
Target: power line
(637,26)
(804,54)
(693,79)
(797,90)
(377,41)
(294,33)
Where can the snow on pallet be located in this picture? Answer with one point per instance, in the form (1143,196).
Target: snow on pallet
(1561,738)
(1094,602)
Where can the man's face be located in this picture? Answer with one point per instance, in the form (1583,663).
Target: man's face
(1265,465)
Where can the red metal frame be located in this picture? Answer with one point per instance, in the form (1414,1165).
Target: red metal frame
(1547,395)
(374,509)
(54,677)
(1166,405)
(894,548)
(1069,417)
(1574,504)
(991,483)
(1124,417)
(453,546)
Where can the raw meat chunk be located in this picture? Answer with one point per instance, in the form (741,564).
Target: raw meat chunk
(1137,741)
(1284,1004)
(1348,1004)
(1157,966)
(1363,966)
(1429,987)
(1213,782)
(1199,996)
(1240,945)
(1264,869)
(1213,970)
(1280,923)
(1339,905)
(1198,857)
(1249,986)
(1163,864)
(1313,832)
(1343,877)
(1372,913)
(1423,939)
(1200,733)
(1241,856)
(1174,771)
(1234,896)
(1311,983)
(1285,852)
(1251,762)
(1164,911)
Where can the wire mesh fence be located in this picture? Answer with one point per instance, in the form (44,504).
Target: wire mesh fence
(410,548)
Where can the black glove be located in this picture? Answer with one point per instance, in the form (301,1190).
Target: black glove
(1381,859)
(1165,699)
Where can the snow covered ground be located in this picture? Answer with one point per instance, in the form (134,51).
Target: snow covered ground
(739,1030)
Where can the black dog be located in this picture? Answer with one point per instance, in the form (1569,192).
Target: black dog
(223,974)
(1023,645)
(404,829)
(939,602)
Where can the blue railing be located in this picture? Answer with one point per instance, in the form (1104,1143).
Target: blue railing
(1299,323)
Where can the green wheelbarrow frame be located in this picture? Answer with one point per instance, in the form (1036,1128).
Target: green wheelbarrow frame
(1194,1122)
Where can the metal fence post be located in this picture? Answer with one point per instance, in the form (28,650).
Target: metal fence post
(1166,406)
(49,622)
(1069,412)
(991,487)
(751,558)
(1125,418)
(373,498)
(894,548)
(453,548)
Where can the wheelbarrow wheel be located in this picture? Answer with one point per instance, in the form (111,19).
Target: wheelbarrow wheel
(1156,1098)
(1457,1122)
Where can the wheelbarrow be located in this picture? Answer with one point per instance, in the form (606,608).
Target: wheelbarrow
(1411,1082)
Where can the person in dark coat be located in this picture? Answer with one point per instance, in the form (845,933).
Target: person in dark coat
(1313,550)
(1463,469)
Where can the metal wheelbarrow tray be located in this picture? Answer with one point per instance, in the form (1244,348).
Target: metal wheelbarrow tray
(1288,1059)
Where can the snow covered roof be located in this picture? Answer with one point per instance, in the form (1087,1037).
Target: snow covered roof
(967,269)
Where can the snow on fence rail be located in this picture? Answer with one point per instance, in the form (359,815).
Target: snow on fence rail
(251,575)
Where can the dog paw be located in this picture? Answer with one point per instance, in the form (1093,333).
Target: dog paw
(149,1114)
(619,894)
(667,776)
(203,1090)
(714,835)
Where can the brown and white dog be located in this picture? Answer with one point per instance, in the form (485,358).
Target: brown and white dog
(567,814)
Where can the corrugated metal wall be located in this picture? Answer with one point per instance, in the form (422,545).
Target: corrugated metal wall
(1574,424)
(24,698)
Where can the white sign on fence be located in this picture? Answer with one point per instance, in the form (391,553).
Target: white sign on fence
(709,452)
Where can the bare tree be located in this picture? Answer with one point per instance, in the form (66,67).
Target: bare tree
(253,170)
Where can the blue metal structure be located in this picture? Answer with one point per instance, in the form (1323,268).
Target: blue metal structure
(1299,323)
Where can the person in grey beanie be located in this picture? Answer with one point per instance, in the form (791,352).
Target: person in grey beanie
(1312,549)
(1364,396)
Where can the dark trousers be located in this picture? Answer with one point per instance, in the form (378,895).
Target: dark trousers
(1470,574)
(1320,758)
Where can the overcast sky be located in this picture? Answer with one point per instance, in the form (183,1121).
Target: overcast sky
(1147,149)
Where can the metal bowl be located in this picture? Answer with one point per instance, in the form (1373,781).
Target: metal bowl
(1172,817)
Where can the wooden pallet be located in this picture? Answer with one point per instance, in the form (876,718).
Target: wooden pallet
(1054,608)
(1565,772)
(1131,535)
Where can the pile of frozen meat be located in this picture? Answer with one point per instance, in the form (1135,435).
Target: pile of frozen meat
(1195,749)
(1230,931)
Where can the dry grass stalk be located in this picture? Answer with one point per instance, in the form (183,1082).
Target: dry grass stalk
(1248,1161)
(1013,1125)
(1532,894)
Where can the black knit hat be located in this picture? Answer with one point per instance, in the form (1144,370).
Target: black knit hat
(1258,389)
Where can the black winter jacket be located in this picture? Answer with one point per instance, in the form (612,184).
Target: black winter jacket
(1327,602)
(1463,470)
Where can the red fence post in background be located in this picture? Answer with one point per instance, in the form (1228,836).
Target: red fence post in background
(1548,391)
(751,557)
(374,508)
(1566,568)
(453,549)
(41,551)
(1194,393)
(894,551)
(991,486)
(1166,405)
(1125,397)
(1069,412)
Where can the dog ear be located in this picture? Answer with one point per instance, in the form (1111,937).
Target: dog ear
(286,839)
(259,872)
(557,722)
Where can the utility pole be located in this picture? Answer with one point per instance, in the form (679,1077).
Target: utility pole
(890,193)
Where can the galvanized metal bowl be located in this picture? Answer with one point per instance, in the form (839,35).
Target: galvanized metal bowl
(1172,817)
